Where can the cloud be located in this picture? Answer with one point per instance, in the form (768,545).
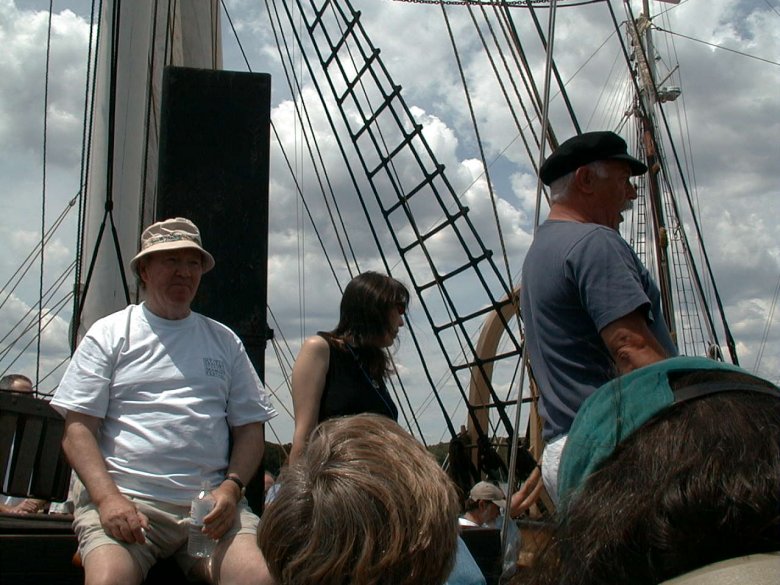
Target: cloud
(24,35)
(728,117)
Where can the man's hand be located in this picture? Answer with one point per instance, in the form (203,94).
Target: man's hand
(221,518)
(122,520)
(527,495)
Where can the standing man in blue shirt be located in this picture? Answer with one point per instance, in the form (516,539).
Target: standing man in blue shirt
(590,308)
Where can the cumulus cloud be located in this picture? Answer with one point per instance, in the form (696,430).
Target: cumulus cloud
(728,116)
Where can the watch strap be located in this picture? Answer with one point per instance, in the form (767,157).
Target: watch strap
(237,480)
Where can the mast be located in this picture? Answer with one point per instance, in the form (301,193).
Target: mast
(642,41)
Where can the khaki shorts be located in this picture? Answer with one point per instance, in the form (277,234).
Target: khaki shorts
(167,534)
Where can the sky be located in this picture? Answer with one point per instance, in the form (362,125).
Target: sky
(729,112)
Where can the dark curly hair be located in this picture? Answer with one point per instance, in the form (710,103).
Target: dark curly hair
(697,484)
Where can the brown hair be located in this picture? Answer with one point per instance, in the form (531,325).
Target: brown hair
(365,504)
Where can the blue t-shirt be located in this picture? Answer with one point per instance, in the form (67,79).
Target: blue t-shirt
(577,279)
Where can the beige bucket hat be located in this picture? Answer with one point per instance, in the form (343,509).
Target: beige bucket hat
(171,234)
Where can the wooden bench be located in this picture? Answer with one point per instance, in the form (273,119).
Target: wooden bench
(31,457)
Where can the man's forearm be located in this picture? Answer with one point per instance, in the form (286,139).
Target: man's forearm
(247,453)
(81,449)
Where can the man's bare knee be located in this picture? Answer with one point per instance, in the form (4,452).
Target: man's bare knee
(240,561)
(111,565)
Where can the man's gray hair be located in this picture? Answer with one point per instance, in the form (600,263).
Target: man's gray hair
(559,188)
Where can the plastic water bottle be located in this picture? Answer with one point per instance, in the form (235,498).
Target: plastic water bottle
(199,544)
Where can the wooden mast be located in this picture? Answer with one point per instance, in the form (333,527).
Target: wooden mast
(640,33)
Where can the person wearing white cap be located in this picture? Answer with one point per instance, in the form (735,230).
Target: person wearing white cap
(159,400)
(483,505)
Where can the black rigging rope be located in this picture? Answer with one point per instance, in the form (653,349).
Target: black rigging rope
(318,163)
(484,164)
(305,203)
(28,262)
(518,54)
(149,124)
(46,297)
(353,179)
(556,74)
(86,141)
(109,202)
(53,312)
(43,193)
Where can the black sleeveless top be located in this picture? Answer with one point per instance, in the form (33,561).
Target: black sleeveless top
(348,389)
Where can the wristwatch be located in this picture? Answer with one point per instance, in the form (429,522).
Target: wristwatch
(234,478)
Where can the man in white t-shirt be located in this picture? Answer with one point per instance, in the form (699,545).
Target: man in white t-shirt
(159,400)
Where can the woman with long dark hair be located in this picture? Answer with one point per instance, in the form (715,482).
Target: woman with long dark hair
(343,371)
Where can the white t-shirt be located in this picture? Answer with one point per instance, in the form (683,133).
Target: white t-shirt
(463,521)
(168,392)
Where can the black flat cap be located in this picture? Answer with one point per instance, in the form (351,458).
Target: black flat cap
(587,148)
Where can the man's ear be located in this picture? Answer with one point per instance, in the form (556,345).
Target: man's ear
(142,270)
(584,178)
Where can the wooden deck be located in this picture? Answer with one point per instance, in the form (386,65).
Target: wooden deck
(38,548)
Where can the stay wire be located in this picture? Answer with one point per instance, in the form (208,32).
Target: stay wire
(517,50)
(29,261)
(290,78)
(765,336)
(46,296)
(51,314)
(741,53)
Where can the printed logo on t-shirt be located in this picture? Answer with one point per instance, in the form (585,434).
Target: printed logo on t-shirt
(215,368)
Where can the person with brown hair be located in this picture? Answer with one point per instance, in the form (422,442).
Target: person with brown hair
(343,371)
(364,503)
(668,470)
